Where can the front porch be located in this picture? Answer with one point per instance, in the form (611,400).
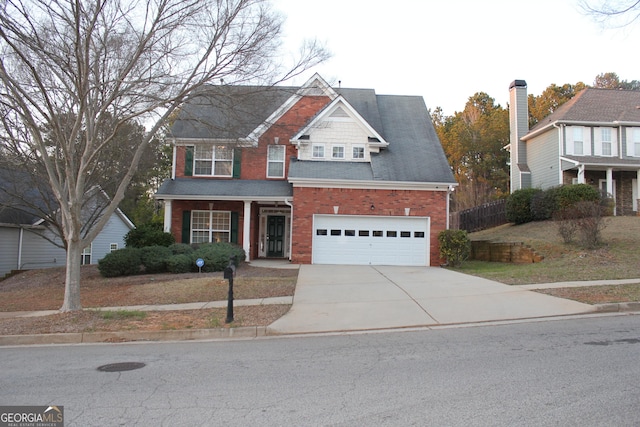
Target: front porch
(622,184)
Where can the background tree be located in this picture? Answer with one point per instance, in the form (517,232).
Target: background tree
(616,13)
(74,73)
(612,81)
(474,142)
(550,100)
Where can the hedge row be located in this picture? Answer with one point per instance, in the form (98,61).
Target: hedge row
(533,204)
(176,258)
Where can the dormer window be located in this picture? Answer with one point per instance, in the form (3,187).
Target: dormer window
(337,152)
(358,152)
(318,151)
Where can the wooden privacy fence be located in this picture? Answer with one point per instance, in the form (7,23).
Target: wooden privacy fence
(480,217)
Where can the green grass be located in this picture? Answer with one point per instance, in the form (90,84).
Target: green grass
(617,258)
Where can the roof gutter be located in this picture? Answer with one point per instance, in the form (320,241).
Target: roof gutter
(391,185)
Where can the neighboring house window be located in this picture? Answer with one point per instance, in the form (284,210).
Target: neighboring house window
(605,134)
(318,152)
(113,247)
(210,226)
(578,141)
(275,161)
(358,151)
(86,255)
(213,160)
(337,152)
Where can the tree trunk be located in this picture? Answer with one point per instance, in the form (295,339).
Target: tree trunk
(72,279)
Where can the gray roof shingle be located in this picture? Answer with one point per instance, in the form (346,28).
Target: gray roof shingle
(597,105)
(223,188)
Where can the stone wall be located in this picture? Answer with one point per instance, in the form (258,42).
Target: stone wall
(513,252)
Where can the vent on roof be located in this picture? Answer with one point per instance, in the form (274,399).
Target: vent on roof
(339,113)
(372,139)
(304,137)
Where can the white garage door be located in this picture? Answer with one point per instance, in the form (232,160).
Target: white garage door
(370,240)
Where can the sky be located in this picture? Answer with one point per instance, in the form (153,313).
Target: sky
(448,50)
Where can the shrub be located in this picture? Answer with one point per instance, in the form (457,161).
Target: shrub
(590,222)
(216,255)
(180,263)
(154,258)
(123,262)
(149,234)
(544,204)
(568,195)
(565,221)
(519,205)
(455,246)
(181,249)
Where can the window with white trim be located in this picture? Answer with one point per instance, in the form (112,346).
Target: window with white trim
(213,160)
(636,142)
(605,135)
(275,161)
(113,247)
(86,255)
(337,152)
(578,140)
(358,152)
(210,226)
(317,151)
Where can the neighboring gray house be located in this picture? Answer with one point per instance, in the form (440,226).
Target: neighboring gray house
(594,139)
(26,240)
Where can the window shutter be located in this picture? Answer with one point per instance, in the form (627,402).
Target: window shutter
(234,227)
(237,154)
(188,161)
(186,227)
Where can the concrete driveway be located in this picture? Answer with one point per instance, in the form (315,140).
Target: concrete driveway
(330,298)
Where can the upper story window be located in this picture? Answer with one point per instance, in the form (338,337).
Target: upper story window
(636,142)
(337,152)
(317,151)
(213,160)
(275,161)
(358,152)
(605,135)
(578,140)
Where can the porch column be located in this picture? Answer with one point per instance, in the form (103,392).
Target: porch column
(610,187)
(581,174)
(167,216)
(246,230)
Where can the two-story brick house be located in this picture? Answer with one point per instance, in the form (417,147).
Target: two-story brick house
(313,174)
(594,138)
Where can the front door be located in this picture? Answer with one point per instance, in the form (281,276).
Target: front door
(275,236)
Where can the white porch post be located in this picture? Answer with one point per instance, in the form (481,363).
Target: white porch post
(167,216)
(246,229)
(581,174)
(610,187)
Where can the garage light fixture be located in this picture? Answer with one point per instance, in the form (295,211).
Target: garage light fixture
(372,206)
(335,209)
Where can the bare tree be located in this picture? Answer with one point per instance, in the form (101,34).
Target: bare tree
(617,13)
(74,72)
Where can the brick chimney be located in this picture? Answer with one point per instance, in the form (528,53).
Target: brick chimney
(518,127)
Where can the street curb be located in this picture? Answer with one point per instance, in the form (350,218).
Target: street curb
(131,336)
(617,307)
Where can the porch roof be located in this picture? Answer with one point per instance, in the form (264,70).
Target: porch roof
(224,189)
(602,163)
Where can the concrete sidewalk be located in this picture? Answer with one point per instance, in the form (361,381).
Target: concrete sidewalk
(349,298)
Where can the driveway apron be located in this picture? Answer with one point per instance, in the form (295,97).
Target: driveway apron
(334,298)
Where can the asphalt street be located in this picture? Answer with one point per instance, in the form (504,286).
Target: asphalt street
(578,371)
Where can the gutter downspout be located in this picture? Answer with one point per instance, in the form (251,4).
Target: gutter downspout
(20,236)
(561,142)
(288,203)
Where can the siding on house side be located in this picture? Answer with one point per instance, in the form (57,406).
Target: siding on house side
(543,154)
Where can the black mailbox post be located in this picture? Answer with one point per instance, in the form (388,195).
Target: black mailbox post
(229,272)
